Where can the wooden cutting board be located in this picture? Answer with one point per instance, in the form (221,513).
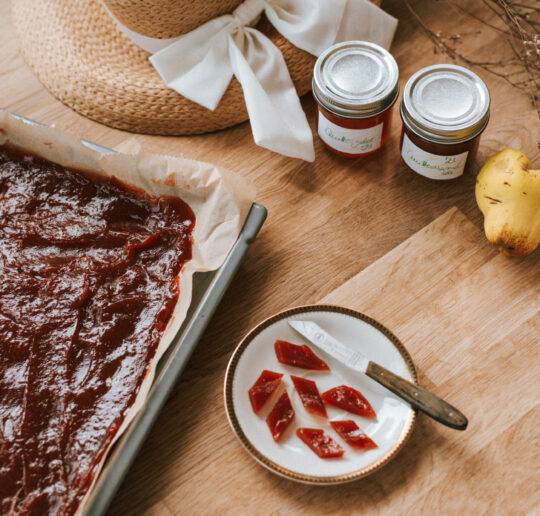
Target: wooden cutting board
(470,318)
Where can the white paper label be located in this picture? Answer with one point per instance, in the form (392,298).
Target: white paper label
(432,165)
(350,141)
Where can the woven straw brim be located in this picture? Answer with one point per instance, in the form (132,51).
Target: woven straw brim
(77,51)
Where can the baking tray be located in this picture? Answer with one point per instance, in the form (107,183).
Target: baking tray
(208,289)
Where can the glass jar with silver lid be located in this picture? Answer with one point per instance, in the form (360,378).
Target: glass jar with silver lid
(445,109)
(355,84)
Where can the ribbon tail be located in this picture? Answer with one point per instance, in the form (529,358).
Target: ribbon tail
(197,65)
(277,120)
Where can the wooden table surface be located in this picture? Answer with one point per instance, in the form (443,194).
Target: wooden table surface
(328,220)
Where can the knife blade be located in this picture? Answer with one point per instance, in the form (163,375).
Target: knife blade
(323,340)
(417,396)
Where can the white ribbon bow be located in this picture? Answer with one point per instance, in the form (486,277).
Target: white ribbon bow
(199,65)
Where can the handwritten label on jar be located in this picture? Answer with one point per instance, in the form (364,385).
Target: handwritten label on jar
(350,141)
(432,165)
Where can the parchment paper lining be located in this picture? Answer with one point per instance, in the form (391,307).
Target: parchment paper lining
(219,198)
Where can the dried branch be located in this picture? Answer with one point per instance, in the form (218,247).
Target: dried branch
(517,24)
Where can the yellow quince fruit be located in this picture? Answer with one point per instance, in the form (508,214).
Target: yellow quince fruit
(508,194)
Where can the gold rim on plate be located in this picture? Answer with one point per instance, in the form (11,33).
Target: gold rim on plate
(285,472)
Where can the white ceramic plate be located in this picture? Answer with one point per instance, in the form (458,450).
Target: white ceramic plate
(291,457)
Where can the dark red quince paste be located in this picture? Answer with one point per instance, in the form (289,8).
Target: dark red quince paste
(322,444)
(350,432)
(88,283)
(280,417)
(309,394)
(263,388)
(298,356)
(349,399)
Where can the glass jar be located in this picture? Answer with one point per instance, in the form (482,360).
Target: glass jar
(444,109)
(355,84)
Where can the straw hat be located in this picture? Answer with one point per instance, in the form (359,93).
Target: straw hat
(81,56)
(167,18)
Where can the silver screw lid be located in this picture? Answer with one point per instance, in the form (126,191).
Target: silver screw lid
(445,103)
(356,79)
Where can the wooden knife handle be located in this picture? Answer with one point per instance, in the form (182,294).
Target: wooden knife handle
(418,397)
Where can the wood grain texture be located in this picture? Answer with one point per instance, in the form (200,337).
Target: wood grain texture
(468,316)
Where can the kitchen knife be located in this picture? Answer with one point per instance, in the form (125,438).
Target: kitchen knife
(418,397)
